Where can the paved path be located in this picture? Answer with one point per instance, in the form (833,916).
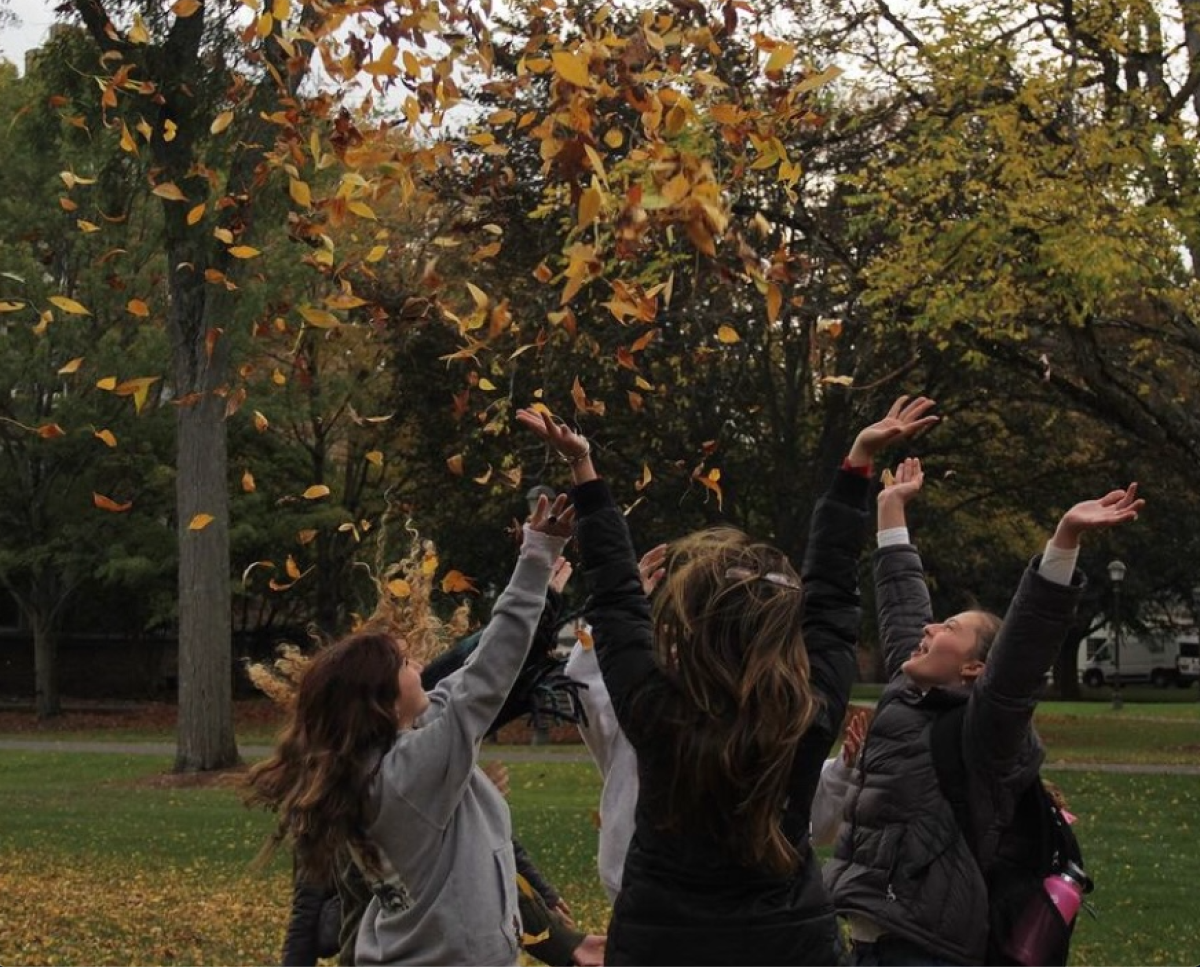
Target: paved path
(509,754)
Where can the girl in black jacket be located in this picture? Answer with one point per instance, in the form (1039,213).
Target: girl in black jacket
(732,694)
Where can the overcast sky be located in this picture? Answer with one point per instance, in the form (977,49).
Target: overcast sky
(36,17)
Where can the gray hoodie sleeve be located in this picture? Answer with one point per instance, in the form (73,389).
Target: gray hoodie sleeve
(444,745)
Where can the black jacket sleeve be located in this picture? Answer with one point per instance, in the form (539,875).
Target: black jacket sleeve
(533,876)
(300,942)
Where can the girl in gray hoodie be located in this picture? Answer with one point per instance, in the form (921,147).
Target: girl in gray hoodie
(370,765)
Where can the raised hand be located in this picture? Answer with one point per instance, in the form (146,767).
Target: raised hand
(556,519)
(907,417)
(905,483)
(1115,507)
(650,567)
(572,447)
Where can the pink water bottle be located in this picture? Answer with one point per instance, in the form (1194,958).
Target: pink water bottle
(1041,933)
(1066,890)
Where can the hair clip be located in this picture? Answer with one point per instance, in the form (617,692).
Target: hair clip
(778,578)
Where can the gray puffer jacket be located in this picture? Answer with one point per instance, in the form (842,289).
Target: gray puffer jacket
(901,860)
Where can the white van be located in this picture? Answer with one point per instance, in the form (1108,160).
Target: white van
(1158,659)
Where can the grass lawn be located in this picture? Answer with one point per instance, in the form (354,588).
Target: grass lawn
(105,860)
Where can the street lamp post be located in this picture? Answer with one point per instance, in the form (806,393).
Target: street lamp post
(1116,575)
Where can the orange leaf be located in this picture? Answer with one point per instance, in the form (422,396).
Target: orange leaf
(316,492)
(455,463)
(292,568)
(728,335)
(260,422)
(248,485)
(106,503)
(50,431)
(195,214)
(399,588)
(70,367)
(221,122)
(244,252)
(200,521)
(455,581)
(170,191)
(107,437)
(137,307)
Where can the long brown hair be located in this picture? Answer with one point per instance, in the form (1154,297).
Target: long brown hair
(727,629)
(342,720)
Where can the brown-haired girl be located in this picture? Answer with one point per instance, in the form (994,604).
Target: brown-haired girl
(370,765)
(732,692)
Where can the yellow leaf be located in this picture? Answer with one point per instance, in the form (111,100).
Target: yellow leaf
(362,210)
(278,378)
(292,568)
(107,503)
(589,206)
(318,317)
(195,214)
(487,385)
(571,68)
(780,57)
(376,253)
(137,307)
(399,588)
(223,235)
(107,437)
(138,34)
(281,10)
(127,142)
(728,335)
(248,485)
(108,383)
(168,190)
(69,305)
(243,252)
(169,130)
(316,492)
(478,295)
(200,521)
(614,138)
(86,226)
(70,366)
(221,122)
(260,422)
(185,8)
(646,478)
(838,380)
(11,306)
(375,457)
(300,192)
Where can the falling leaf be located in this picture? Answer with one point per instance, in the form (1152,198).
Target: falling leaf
(244,252)
(200,521)
(887,478)
(487,385)
(260,422)
(248,485)
(641,484)
(780,57)
(138,34)
(71,366)
(584,637)
(50,431)
(316,492)
(69,305)
(292,568)
(106,503)
(221,122)
(108,383)
(195,214)
(728,335)
(320,318)
(306,536)
(589,207)
(571,67)
(169,190)
(11,306)
(455,464)
(456,581)
(774,302)
(300,192)
(137,307)
(107,437)
(375,457)
(185,8)
(838,380)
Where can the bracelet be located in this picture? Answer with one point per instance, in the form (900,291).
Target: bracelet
(579,457)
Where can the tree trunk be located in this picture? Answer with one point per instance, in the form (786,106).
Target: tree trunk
(45,665)
(205,739)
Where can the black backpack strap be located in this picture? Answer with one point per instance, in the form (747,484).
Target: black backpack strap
(945,744)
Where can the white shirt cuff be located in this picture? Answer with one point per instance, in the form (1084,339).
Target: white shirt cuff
(1058,564)
(892,535)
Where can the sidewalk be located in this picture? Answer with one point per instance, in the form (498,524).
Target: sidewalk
(509,754)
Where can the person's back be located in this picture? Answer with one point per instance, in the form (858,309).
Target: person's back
(732,696)
(908,882)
